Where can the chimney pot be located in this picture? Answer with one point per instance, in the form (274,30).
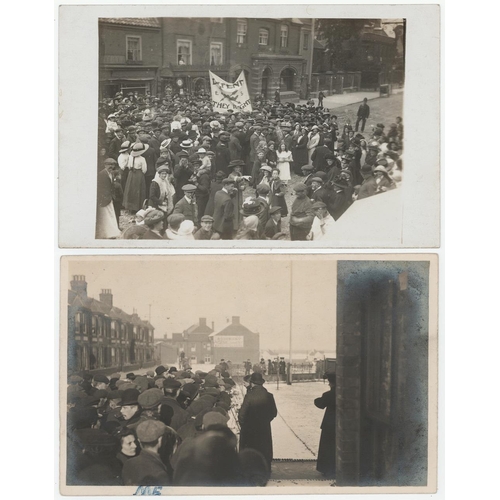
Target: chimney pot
(236,320)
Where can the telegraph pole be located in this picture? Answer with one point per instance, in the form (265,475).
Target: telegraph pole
(289,377)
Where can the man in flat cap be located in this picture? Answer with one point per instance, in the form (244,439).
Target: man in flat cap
(255,415)
(147,469)
(187,204)
(206,231)
(323,224)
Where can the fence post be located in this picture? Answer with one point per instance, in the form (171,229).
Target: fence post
(289,374)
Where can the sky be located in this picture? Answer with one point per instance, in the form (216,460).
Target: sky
(256,288)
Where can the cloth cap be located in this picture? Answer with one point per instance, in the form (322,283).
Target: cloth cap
(300,187)
(189,188)
(318,204)
(150,398)
(150,430)
(101,378)
(110,161)
(273,210)
(211,381)
(207,218)
(171,383)
(317,179)
(153,217)
(213,418)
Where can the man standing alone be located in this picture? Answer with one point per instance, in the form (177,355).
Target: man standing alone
(256,413)
(363,114)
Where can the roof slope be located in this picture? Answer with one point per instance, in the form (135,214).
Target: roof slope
(143,22)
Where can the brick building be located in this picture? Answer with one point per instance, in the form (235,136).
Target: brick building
(103,336)
(382,373)
(130,55)
(235,343)
(174,55)
(195,343)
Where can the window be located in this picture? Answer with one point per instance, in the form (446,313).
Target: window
(306,41)
(263,37)
(134,52)
(216,53)
(241,33)
(208,359)
(193,349)
(284,36)
(184,50)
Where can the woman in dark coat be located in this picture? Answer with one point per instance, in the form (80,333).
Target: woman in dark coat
(300,157)
(327,442)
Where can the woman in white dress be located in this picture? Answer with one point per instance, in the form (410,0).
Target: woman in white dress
(284,160)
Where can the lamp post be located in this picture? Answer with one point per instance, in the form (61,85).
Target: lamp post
(289,377)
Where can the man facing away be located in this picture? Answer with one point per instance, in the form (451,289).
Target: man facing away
(255,415)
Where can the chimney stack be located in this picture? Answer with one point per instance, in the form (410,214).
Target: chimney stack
(106,297)
(203,321)
(236,320)
(79,285)
(213,326)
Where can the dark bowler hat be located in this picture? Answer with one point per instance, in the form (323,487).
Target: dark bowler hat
(160,369)
(130,376)
(129,397)
(257,378)
(236,163)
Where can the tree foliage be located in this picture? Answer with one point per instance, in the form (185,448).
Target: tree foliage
(338,35)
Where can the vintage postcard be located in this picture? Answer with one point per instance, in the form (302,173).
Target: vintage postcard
(251,374)
(317,130)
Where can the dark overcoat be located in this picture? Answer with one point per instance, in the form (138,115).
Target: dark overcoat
(256,413)
(327,442)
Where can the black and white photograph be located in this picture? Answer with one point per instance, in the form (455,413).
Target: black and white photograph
(251,374)
(253,132)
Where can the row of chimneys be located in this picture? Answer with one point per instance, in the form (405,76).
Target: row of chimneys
(79,285)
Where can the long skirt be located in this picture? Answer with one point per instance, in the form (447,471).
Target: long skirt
(135,190)
(326,452)
(106,225)
(284,169)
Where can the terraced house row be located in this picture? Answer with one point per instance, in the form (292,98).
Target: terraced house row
(103,337)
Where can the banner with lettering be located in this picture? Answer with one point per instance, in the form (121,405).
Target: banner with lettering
(226,96)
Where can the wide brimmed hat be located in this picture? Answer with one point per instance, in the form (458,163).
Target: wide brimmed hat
(124,147)
(251,207)
(164,145)
(188,143)
(267,168)
(236,163)
(138,149)
(186,228)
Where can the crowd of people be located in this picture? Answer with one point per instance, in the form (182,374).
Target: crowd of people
(168,427)
(178,170)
